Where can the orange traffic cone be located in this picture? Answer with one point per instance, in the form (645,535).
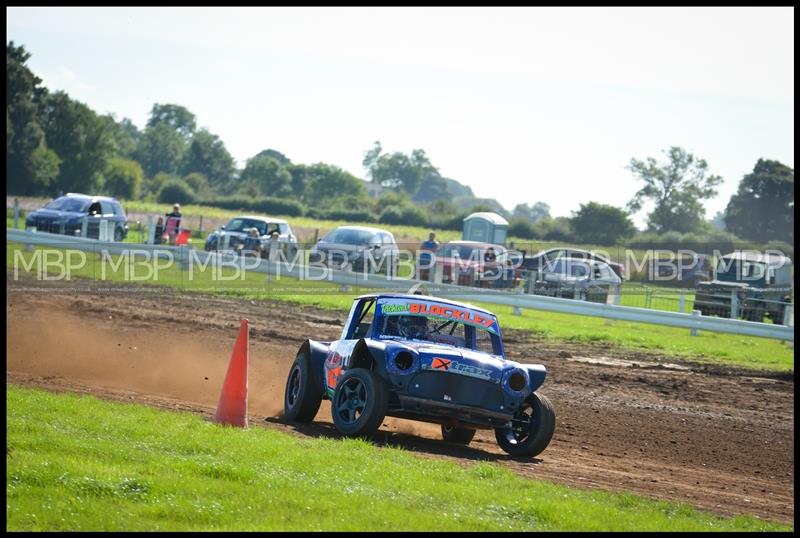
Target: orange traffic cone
(232,406)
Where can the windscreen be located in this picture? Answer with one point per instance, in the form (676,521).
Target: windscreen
(65,203)
(349,236)
(463,252)
(244,225)
(438,323)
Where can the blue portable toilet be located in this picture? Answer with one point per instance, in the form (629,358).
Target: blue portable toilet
(485,227)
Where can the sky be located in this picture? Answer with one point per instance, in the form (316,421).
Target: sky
(522,104)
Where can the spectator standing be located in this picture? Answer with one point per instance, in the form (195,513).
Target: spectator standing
(425,257)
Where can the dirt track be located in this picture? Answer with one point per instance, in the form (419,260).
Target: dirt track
(719,439)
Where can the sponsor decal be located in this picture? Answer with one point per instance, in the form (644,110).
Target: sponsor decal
(441,311)
(394,308)
(439,363)
(333,376)
(448,365)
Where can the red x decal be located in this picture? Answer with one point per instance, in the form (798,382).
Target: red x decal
(440,364)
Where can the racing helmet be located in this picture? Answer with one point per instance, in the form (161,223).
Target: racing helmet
(412,326)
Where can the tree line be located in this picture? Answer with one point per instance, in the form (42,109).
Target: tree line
(55,144)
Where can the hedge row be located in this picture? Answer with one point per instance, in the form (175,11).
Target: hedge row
(266,204)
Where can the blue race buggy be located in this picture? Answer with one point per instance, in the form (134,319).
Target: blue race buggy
(422,358)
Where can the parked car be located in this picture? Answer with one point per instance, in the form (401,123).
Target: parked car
(352,246)
(760,283)
(422,358)
(235,232)
(571,278)
(537,261)
(686,269)
(66,215)
(475,265)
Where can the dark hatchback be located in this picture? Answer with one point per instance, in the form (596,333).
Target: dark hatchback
(65,215)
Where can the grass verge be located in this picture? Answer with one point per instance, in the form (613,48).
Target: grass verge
(79,464)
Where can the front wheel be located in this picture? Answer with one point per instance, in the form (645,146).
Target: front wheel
(118,234)
(302,397)
(359,403)
(531,429)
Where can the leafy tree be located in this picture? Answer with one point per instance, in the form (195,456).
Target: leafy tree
(390,198)
(677,188)
(199,184)
(161,149)
(152,185)
(266,176)
(442,207)
(398,170)
(457,189)
(176,190)
(763,207)
(554,229)
(29,163)
(601,224)
(175,116)
(299,179)
(534,213)
(123,178)
(433,187)
(522,227)
(81,139)
(43,165)
(275,154)
(207,155)
(326,182)
(124,136)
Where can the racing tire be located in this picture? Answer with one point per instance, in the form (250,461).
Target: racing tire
(531,430)
(118,234)
(302,398)
(359,403)
(459,436)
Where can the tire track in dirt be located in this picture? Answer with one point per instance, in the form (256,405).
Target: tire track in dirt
(717,438)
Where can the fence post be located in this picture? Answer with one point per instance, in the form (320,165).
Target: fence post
(788,315)
(437,272)
(695,314)
(682,302)
(84,226)
(517,311)
(151,231)
(788,319)
(16,213)
(734,305)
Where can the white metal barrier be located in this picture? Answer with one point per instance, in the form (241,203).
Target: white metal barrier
(185,256)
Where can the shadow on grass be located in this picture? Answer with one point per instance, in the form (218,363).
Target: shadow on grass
(406,441)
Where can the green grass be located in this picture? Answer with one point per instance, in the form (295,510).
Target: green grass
(719,348)
(75,463)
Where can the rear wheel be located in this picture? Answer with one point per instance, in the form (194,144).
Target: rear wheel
(302,397)
(531,429)
(359,402)
(461,436)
